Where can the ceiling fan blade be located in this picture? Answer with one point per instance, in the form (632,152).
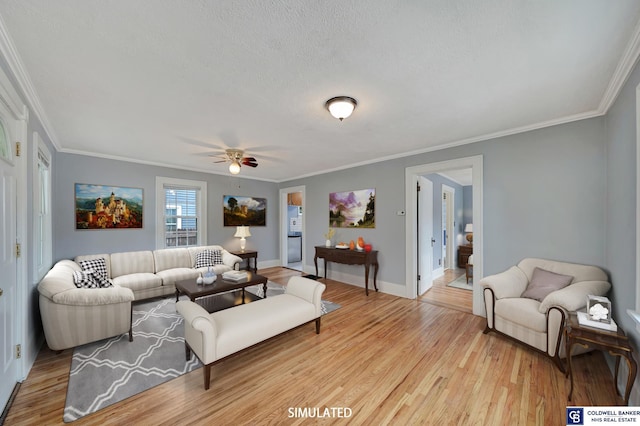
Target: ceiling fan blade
(220,161)
(249,159)
(250,164)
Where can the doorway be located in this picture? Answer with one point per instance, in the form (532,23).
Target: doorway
(448,228)
(412,175)
(292,225)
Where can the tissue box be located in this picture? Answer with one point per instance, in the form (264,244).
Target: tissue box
(599,309)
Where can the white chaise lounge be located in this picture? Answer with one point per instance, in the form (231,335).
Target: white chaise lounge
(215,336)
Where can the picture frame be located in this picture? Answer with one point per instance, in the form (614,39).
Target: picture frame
(241,210)
(352,209)
(108,207)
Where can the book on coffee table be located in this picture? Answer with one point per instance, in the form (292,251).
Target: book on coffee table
(235,275)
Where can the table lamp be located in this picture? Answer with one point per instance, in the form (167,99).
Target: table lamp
(468,229)
(242,232)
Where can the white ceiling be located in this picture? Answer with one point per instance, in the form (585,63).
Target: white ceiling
(169,82)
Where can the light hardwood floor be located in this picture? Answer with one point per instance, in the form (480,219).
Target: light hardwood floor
(387,359)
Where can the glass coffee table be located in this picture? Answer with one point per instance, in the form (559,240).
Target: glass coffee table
(220,294)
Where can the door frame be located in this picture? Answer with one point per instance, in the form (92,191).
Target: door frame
(19,114)
(424,207)
(411,177)
(450,259)
(284,224)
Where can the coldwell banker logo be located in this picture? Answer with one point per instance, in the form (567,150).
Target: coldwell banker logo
(575,416)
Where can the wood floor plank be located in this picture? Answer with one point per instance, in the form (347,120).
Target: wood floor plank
(390,360)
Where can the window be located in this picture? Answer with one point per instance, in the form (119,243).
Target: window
(181,212)
(42,235)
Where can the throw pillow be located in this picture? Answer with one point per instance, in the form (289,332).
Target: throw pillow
(544,282)
(208,258)
(97,266)
(85,279)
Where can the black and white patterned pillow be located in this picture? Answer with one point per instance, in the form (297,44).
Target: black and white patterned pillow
(208,258)
(85,279)
(97,266)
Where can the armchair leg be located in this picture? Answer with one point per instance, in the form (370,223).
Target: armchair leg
(207,376)
(318,325)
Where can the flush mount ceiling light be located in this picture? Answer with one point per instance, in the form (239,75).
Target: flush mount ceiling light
(341,107)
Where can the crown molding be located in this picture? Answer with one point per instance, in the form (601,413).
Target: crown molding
(11,56)
(622,72)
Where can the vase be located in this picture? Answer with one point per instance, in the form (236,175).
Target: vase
(327,243)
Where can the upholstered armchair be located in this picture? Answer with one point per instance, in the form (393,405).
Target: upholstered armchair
(529,302)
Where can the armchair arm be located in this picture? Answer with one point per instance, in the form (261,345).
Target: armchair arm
(230,259)
(510,283)
(574,296)
(307,289)
(199,330)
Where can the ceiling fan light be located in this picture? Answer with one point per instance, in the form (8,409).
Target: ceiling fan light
(234,167)
(341,107)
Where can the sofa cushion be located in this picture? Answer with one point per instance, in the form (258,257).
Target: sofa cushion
(85,279)
(208,258)
(172,276)
(132,262)
(171,258)
(544,282)
(523,312)
(106,257)
(139,281)
(97,267)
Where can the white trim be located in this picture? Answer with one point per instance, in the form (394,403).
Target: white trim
(411,177)
(451,260)
(284,223)
(637,204)
(622,72)
(160,205)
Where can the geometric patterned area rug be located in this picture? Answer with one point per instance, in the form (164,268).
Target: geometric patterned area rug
(461,282)
(110,370)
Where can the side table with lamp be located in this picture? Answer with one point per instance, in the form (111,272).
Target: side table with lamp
(243,232)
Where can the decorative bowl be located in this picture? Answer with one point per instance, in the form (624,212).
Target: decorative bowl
(208,277)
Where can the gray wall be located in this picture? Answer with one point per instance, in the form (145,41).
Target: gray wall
(544,195)
(467,202)
(71,169)
(620,204)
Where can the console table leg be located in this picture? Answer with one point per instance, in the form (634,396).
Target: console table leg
(366,280)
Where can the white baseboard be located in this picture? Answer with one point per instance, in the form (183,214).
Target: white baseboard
(437,273)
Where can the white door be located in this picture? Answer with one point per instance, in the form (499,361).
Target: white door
(8,264)
(425,235)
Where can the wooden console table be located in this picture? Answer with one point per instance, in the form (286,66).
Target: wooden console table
(349,257)
(615,343)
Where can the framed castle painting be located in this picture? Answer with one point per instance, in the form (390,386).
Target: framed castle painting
(108,207)
(249,211)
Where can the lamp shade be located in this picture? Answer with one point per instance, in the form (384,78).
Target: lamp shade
(468,227)
(242,232)
(341,107)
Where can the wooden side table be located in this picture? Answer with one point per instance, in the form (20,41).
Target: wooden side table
(248,255)
(616,343)
(464,252)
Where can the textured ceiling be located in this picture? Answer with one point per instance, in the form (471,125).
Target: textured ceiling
(170,82)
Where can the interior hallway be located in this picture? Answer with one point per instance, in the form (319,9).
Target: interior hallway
(449,297)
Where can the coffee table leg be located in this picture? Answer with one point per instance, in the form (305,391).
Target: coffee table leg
(177,294)
(264,287)
(243,295)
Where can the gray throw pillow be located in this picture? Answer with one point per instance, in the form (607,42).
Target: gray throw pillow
(544,282)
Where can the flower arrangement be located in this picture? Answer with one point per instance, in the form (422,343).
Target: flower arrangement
(329,235)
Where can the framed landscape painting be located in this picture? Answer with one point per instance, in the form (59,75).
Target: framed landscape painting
(107,207)
(247,211)
(352,209)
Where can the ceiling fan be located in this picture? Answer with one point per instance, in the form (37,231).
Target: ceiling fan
(237,158)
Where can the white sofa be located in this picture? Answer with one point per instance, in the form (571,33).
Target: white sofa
(539,324)
(73,316)
(215,336)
